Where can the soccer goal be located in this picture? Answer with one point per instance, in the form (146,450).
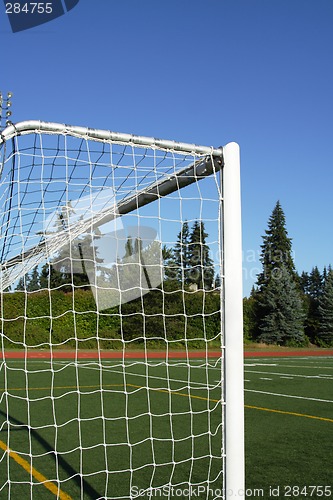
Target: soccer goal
(121,316)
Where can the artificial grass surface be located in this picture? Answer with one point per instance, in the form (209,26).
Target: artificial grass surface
(107,441)
(293,446)
(156,432)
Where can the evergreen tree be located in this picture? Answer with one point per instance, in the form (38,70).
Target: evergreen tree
(304,282)
(171,270)
(325,308)
(50,277)
(202,267)
(278,271)
(33,283)
(21,284)
(282,319)
(181,256)
(315,284)
(312,287)
(276,248)
(217,282)
(249,316)
(167,253)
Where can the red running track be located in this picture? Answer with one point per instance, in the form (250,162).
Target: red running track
(44,354)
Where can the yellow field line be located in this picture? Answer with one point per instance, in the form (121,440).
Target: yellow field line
(192,396)
(61,387)
(33,472)
(289,413)
(245,406)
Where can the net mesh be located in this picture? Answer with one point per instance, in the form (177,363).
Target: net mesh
(112,345)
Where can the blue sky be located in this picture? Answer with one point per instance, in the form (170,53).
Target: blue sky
(258,72)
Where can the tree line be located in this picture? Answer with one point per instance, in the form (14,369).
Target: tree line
(285,307)
(184,308)
(188,263)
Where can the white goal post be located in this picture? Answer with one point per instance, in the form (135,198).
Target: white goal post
(121,303)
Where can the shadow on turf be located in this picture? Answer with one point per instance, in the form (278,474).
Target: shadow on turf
(80,481)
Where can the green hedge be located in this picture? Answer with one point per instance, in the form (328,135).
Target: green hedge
(41,317)
(69,320)
(172,316)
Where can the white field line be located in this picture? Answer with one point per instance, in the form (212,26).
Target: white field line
(288,359)
(211,386)
(260,364)
(119,362)
(187,383)
(265,378)
(302,366)
(289,396)
(330,377)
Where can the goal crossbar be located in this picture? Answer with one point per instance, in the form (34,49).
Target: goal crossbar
(36,126)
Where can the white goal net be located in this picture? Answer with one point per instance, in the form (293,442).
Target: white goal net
(121,323)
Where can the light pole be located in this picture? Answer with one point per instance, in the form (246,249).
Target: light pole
(5,112)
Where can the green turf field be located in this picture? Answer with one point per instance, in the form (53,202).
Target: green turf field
(289,427)
(164,413)
(90,424)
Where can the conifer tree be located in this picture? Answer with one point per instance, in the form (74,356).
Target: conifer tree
(249,316)
(316,282)
(33,283)
(304,282)
(312,287)
(181,258)
(217,281)
(325,308)
(171,270)
(276,247)
(278,279)
(282,319)
(202,267)
(21,284)
(50,277)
